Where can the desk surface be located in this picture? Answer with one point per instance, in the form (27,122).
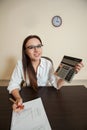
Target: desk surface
(66,108)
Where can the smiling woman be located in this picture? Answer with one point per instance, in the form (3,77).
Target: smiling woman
(34,70)
(34,51)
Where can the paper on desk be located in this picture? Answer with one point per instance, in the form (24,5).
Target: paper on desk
(33,117)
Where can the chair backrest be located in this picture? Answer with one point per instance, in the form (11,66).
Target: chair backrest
(47,59)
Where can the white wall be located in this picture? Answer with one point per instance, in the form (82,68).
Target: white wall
(20,18)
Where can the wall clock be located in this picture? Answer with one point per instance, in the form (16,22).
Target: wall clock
(56,21)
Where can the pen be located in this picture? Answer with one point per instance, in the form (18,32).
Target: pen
(15,102)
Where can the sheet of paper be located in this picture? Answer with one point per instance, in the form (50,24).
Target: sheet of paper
(33,117)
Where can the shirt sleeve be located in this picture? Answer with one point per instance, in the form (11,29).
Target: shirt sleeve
(17,77)
(52,77)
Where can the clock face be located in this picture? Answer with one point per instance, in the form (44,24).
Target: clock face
(56,21)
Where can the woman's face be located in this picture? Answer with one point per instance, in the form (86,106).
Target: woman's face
(34,49)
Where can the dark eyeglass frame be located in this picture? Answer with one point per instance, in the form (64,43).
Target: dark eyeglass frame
(34,47)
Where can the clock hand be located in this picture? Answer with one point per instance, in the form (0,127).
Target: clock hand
(57,21)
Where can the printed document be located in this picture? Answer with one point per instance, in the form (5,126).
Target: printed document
(32,117)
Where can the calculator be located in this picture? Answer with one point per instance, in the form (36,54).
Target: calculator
(66,69)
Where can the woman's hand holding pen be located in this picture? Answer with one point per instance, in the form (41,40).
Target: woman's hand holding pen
(18,102)
(17,105)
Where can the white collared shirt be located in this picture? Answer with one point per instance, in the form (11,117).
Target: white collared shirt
(45,75)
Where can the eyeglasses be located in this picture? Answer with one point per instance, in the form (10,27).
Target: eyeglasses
(34,47)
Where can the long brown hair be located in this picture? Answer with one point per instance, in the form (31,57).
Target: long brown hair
(27,65)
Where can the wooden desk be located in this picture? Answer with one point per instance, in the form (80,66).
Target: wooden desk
(66,109)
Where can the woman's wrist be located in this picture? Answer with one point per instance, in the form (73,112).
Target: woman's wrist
(16,94)
(18,98)
(60,83)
